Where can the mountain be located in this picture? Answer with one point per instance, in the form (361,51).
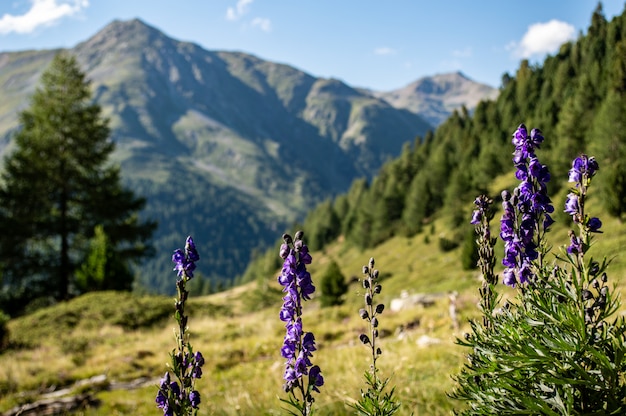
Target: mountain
(225,146)
(434,98)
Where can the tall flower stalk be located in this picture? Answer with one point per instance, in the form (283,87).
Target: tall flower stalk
(374,401)
(302,378)
(481,219)
(177,394)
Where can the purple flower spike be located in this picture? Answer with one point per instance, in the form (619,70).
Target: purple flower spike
(298,286)
(525,215)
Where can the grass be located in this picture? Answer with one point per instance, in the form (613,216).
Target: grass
(127,337)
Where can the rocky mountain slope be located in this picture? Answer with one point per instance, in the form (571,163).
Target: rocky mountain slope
(225,146)
(434,98)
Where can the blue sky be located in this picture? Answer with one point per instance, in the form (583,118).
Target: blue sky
(377,44)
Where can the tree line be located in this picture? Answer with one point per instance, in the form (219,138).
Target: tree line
(576,96)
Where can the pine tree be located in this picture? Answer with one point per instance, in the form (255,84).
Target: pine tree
(333,285)
(57,186)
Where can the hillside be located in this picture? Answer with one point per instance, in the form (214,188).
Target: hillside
(225,146)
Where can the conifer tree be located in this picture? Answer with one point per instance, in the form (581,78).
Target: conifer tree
(57,186)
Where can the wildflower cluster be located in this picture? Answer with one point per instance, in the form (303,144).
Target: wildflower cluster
(298,346)
(178,396)
(526,213)
(374,401)
(552,349)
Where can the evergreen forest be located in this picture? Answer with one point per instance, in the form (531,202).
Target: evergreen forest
(577,97)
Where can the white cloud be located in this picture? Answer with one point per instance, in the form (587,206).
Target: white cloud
(385,51)
(41,13)
(542,38)
(262,23)
(241,8)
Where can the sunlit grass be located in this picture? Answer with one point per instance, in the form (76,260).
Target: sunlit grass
(95,335)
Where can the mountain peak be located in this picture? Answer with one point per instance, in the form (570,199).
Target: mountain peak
(121,32)
(435,97)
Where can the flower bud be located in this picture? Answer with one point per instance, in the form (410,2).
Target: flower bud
(368,299)
(378,351)
(299,235)
(284,251)
(377,289)
(364,339)
(363,314)
(379,308)
(375,322)
(375,274)
(366,284)
(371,264)
(586,294)
(287,238)
(375,333)
(365,270)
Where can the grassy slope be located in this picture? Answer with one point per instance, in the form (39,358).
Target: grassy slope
(95,334)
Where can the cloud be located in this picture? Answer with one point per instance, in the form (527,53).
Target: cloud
(542,38)
(385,51)
(241,8)
(42,13)
(262,23)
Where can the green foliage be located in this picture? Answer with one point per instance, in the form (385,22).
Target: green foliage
(58,185)
(333,285)
(375,401)
(92,272)
(4,331)
(447,244)
(469,251)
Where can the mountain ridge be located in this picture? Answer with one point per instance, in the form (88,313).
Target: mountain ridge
(225,145)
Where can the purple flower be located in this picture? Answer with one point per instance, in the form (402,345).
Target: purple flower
(199,359)
(594,224)
(315,378)
(185,261)
(161,400)
(194,399)
(308,343)
(571,204)
(175,388)
(576,245)
(190,250)
(583,167)
(508,277)
(196,372)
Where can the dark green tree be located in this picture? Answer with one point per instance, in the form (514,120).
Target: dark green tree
(57,187)
(332,285)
